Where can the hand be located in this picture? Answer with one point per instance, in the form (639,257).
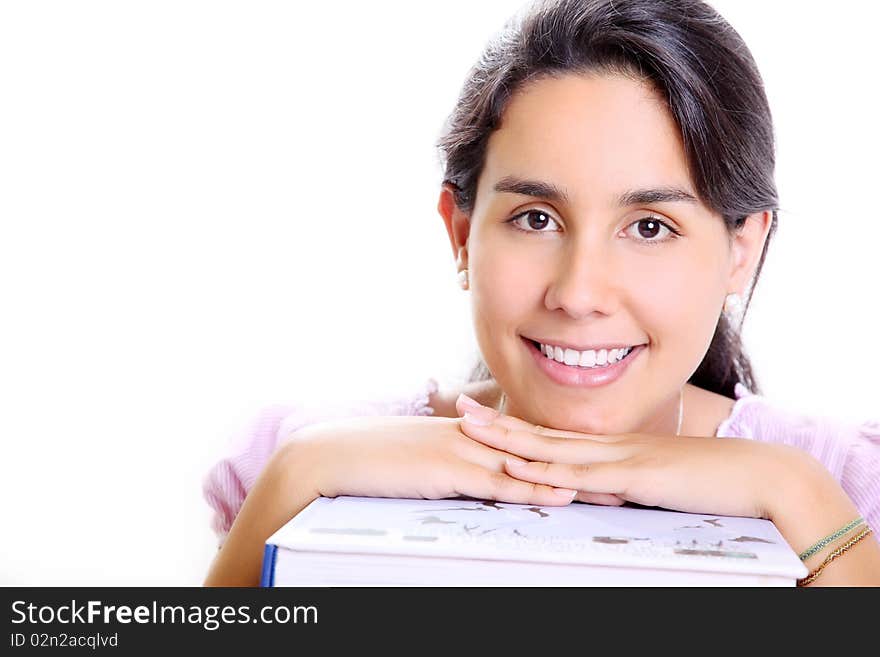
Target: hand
(408,457)
(728,476)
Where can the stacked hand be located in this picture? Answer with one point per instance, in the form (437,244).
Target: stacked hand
(727,476)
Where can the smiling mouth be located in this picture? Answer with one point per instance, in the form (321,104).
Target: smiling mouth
(595,366)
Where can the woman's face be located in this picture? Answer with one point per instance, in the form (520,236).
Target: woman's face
(587,235)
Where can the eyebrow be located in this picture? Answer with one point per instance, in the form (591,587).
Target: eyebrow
(550,192)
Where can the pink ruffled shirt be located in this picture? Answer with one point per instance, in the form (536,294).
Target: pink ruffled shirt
(851,453)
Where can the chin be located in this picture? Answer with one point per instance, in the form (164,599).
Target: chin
(581,422)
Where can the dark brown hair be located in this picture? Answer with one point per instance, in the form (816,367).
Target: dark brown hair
(694,59)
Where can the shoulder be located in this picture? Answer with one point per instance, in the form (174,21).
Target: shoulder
(756,416)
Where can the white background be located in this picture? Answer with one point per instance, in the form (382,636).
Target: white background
(208,207)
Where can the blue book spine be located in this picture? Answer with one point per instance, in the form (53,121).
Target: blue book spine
(268,576)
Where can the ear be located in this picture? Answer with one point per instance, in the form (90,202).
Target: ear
(746,248)
(457,223)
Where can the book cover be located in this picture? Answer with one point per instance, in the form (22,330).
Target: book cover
(377,533)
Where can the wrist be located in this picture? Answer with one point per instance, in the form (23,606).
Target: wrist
(807,502)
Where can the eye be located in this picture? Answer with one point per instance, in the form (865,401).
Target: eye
(651,230)
(533,221)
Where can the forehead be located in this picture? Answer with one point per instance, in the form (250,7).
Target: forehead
(595,135)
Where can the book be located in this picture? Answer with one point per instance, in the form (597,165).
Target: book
(367,541)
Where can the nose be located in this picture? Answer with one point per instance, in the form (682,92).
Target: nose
(584,282)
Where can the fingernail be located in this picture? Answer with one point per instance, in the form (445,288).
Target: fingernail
(473,419)
(514,462)
(467,401)
(485,414)
(565,492)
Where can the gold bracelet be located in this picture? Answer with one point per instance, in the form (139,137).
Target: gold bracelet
(831,557)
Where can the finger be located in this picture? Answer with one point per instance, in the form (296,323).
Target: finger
(482,455)
(485,456)
(603,499)
(465,404)
(608,477)
(538,447)
(489,485)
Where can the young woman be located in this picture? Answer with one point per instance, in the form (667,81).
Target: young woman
(609,196)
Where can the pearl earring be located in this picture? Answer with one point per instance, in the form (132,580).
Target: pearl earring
(732,304)
(463,279)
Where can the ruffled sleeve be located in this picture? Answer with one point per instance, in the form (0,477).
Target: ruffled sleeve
(227,482)
(733,425)
(861,472)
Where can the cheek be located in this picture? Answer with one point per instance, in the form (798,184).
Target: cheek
(679,306)
(501,279)
(501,285)
(505,290)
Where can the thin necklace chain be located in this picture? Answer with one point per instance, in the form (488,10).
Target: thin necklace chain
(502,405)
(680,411)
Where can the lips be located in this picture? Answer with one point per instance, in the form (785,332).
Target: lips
(577,376)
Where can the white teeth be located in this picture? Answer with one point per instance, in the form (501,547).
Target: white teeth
(589,358)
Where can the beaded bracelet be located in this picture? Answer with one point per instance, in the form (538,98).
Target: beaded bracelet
(809,552)
(831,557)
